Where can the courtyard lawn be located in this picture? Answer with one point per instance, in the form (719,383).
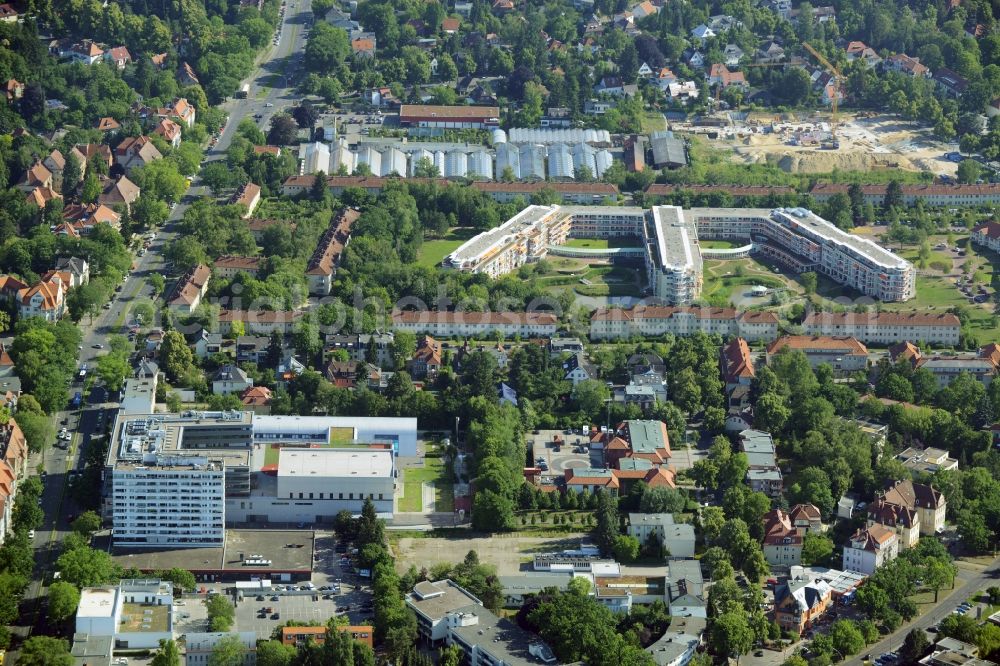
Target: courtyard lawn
(719,244)
(432,252)
(434,471)
(602,243)
(723,277)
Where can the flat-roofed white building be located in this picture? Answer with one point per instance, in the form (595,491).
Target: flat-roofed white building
(332,480)
(135,613)
(399,432)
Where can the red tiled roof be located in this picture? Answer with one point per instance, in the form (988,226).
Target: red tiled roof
(189,287)
(847,344)
(662,189)
(738,361)
(327,254)
(881,319)
(423,316)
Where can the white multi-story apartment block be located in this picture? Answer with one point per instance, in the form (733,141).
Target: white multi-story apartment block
(887,328)
(476,324)
(869,548)
(672,258)
(169,501)
(654,320)
(804,241)
(794,236)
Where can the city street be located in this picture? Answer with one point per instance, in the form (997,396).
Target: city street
(270,84)
(946,604)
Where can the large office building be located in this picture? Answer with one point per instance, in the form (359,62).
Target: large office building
(176,480)
(669,237)
(167,477)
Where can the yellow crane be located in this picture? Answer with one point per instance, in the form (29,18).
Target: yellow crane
(834,72)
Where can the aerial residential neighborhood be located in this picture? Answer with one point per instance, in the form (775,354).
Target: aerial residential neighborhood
(506,333)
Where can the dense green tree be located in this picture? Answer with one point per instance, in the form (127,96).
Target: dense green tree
(169,655)
(45,651)
(63,600)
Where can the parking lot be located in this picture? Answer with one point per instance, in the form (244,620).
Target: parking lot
(568,455)
(311,608)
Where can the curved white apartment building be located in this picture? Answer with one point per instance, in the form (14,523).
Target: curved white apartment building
(796,237)
(673,261)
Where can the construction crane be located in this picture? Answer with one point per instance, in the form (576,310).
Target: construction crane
(835,98)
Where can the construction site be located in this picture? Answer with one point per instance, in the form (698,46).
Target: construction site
(811,143)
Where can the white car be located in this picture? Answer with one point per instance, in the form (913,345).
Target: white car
(31,534)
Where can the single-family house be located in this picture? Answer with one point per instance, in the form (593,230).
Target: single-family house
(135,152)
(169,131)
(904,64)
(7,13)
(257,399)
(122,192)
(230,379)
(701,34)
(118,57)
(577,369)
(720,75)
(14,90)
(732,54)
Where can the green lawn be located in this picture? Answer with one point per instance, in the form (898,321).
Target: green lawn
(603,243)
(723,277)
(432,252)
(653,122)
(719,244)
(434,470)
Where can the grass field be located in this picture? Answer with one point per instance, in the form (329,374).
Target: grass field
(431,252)
(653,122)
(723,278)
(719,244)
(602,243)
(433,471)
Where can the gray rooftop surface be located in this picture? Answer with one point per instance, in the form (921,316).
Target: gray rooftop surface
(288,550)
(501,638)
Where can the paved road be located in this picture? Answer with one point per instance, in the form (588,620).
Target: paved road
(949,599)
(272,85)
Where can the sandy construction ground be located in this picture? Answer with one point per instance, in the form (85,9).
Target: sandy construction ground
(509,552)
(865,143)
